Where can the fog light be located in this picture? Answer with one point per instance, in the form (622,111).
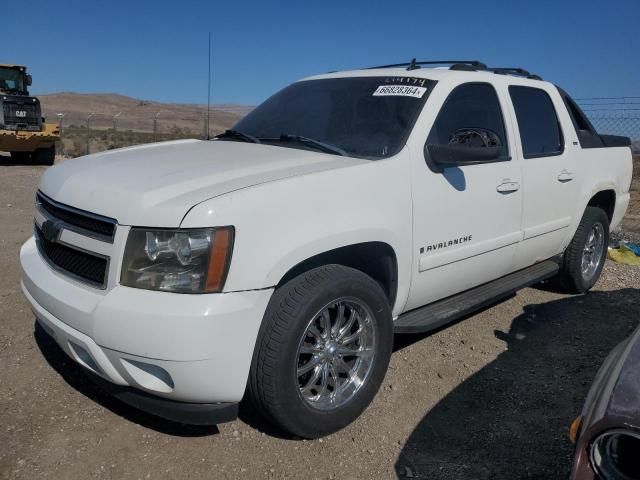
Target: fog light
(149,376)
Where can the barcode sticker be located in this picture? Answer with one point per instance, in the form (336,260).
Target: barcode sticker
(399,91)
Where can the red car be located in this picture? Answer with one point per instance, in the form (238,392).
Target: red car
(607,433)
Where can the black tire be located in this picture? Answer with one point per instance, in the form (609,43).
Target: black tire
(273,385)
(44,156)
(21,157)
(571,274)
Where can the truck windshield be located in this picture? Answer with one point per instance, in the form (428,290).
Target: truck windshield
(11,80)
(365,117)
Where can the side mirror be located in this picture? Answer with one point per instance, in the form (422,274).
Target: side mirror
(28,80)
(459,154)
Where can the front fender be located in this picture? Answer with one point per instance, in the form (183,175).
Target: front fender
(324,244)
(282,223)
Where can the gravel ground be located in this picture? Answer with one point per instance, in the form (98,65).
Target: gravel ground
(489,397)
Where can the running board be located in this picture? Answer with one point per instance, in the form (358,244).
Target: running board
(452,308)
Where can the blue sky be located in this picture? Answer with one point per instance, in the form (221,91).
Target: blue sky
(157,49)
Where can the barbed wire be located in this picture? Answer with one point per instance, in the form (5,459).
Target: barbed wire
(614,115)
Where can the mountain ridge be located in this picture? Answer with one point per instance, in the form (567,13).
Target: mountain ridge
(107,109)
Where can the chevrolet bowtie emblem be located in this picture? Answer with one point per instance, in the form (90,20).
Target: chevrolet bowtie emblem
(51,230)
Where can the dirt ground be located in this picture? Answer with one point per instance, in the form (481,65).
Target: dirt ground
(489,397)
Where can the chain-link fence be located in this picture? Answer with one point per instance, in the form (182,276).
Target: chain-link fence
(104,132)
(615,115)
(82,133)
(146,123)
(620,116)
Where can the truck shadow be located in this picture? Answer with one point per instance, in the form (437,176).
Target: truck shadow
(510,420)
(73,374)
(9,162)
(6,160)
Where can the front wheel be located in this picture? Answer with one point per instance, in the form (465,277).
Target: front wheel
(21,157)
(322,352)
(585,256)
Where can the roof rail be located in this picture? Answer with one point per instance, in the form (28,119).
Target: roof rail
(466,65)
(521,72)
(459,64)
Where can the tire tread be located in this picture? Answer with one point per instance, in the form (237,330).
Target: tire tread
(280,318)
(571,274)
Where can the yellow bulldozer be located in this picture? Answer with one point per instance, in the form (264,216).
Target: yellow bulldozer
(23,131)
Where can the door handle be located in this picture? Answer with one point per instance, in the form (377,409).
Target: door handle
(565,176)
(507,186)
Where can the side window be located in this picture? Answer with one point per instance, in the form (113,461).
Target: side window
(580,120)
(538,123)
(587,135)
(471,115)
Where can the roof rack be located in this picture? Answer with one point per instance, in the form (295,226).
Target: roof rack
(466,65)
(521,72)
(459,64)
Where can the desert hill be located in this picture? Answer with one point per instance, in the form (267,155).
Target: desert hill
(135,114)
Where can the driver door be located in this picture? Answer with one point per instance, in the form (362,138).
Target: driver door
(466,217)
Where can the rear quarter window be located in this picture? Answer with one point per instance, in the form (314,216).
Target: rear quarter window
(540,132)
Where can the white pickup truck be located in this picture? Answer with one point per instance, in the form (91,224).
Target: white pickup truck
(276,261)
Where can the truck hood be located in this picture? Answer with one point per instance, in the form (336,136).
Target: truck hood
(156,184)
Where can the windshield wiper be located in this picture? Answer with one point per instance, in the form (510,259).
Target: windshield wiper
(235,134)
(285,137)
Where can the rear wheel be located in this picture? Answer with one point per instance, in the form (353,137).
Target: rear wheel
(585,256)
(322,351)
(44,156)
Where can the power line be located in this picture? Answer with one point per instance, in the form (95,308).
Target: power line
(610,103)
(612,109)
(604,98)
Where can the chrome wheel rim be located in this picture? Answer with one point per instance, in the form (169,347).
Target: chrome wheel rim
(335,354)
(593,251)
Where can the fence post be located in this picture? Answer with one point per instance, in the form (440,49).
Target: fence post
(155,125)
(60,127)
(89,131)
(115,129)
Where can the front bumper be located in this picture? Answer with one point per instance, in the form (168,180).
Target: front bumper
(183,412)
(27,141)
(184,348)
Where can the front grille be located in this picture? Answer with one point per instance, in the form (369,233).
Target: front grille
(84,266)
(89,222)
(31,113)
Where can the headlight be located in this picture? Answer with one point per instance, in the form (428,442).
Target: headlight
(614,455)
(184,261)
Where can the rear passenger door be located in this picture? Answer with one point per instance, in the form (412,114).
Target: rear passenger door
(550,175)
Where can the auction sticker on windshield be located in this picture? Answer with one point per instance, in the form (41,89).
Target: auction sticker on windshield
(399,91)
